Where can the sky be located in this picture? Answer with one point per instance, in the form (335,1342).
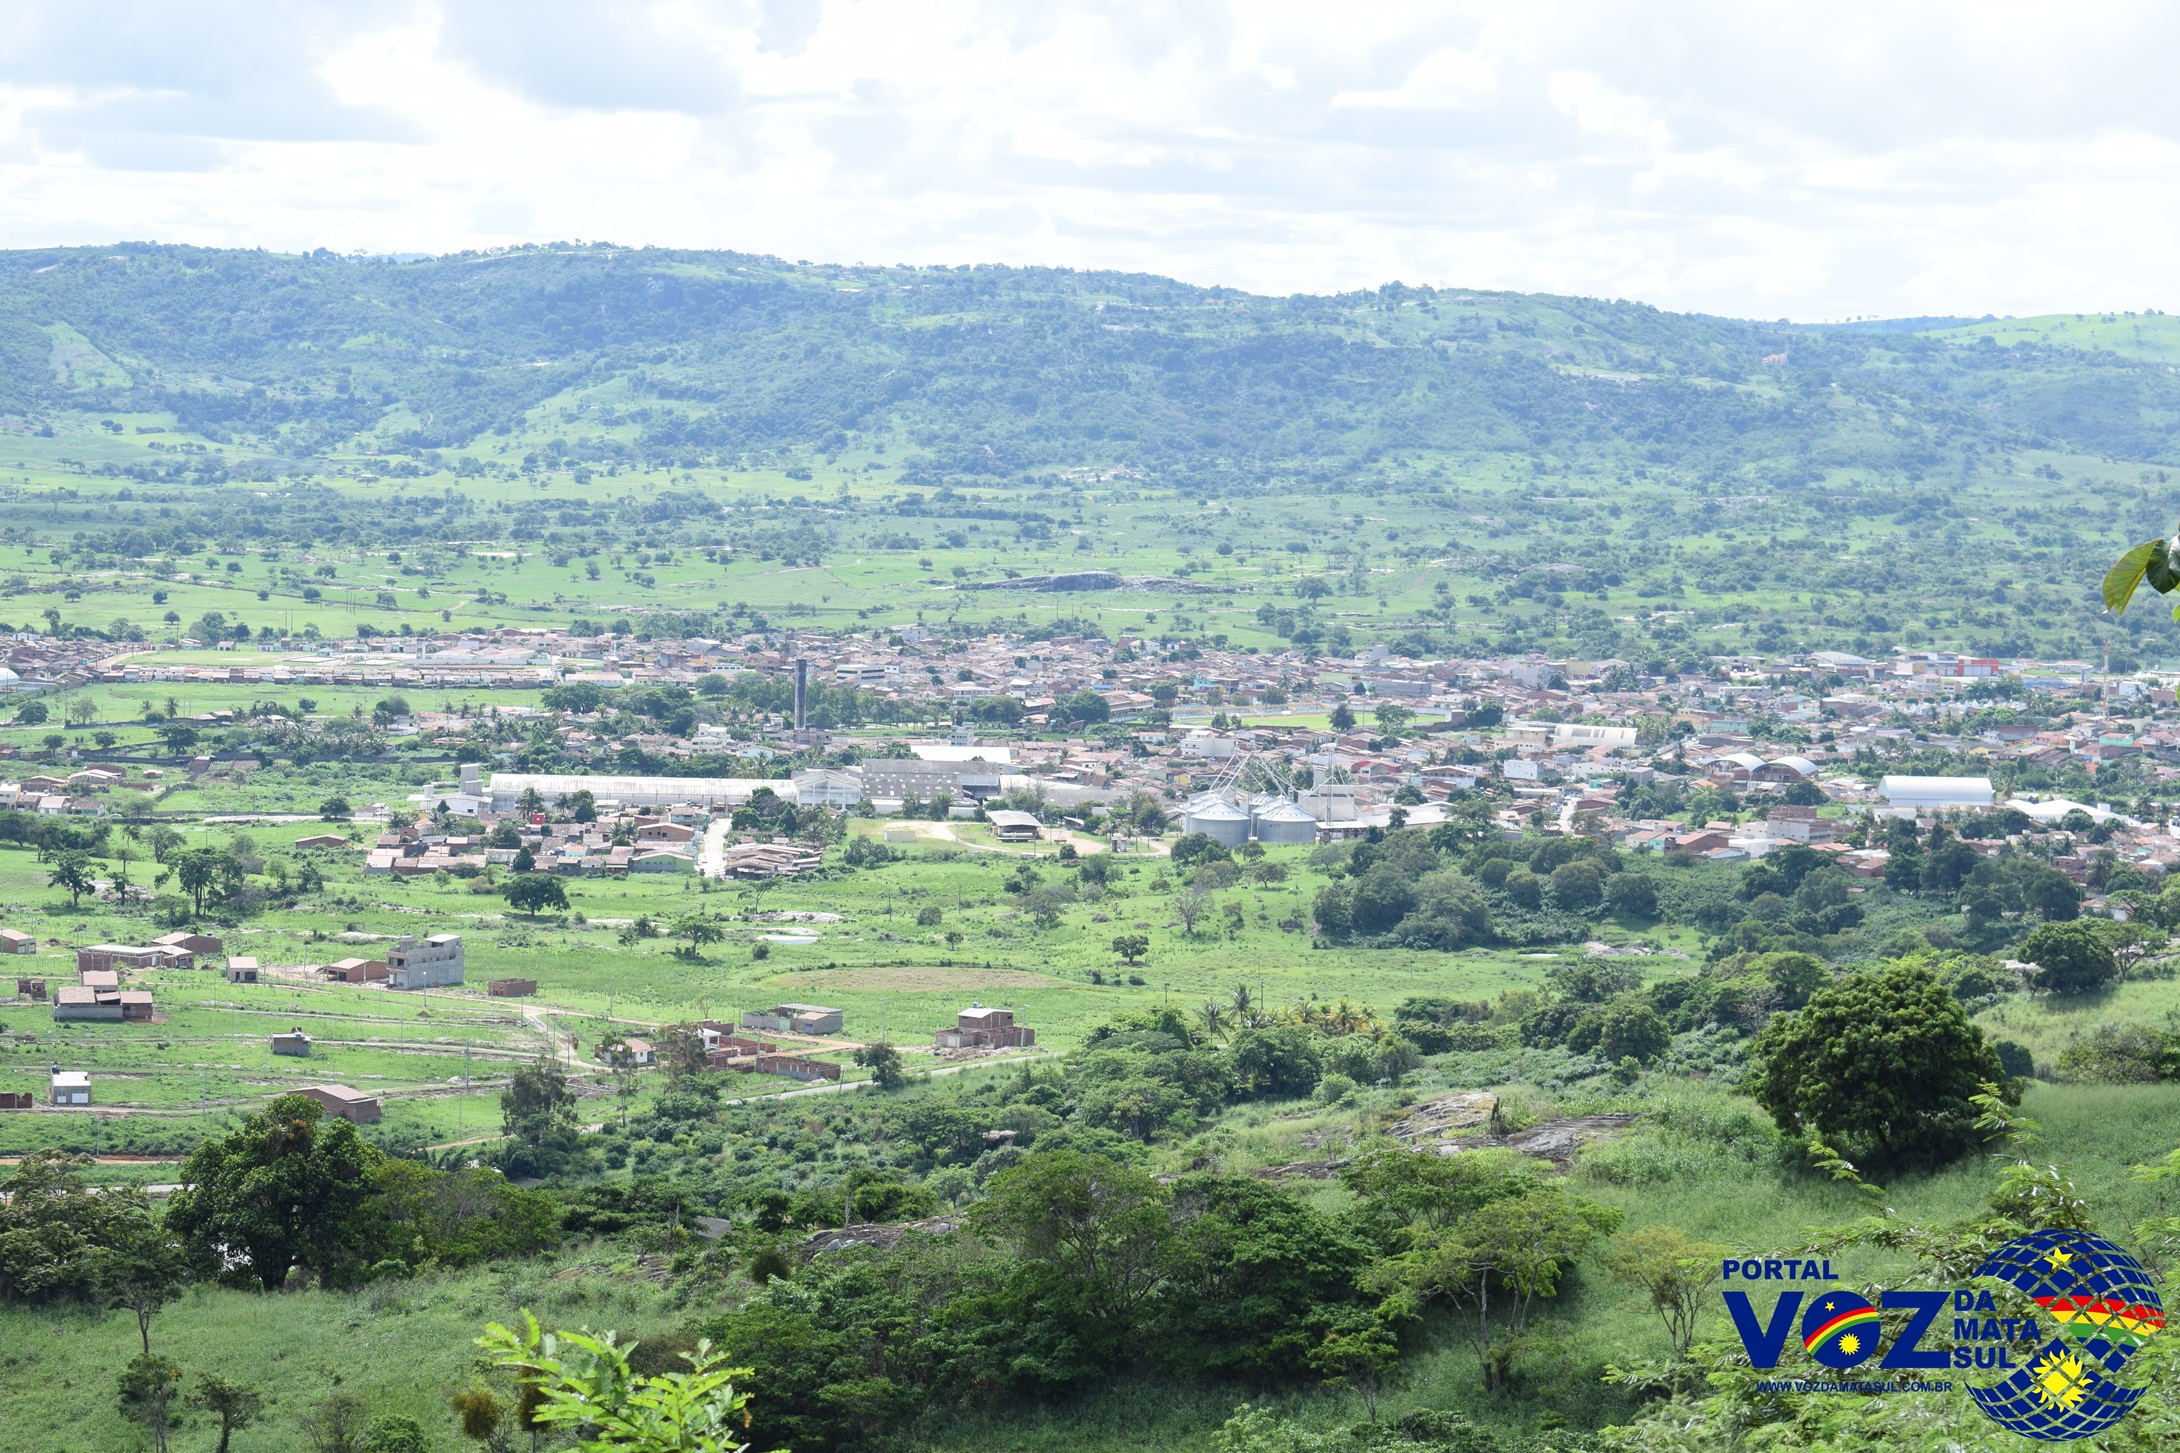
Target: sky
(1814,162)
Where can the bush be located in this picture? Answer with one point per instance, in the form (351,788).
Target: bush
(2121,1054)
(1882,1066)
(1632,894)
(2070,957)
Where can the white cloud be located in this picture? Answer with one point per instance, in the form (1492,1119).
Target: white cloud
(1858,158)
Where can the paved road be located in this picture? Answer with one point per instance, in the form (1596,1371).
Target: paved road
(712,861)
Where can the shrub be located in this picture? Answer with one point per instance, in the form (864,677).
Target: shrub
(2070,957)
(1882,1066)
(2121,1054)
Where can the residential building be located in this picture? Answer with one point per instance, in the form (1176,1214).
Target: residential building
(795,1019)
(350,1104)
(70,1087)
(431,963)
(977,1027)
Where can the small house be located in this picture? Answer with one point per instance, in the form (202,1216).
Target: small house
(794,1019)
(191,943)
(356,971)
(82,1002)
(1015,827)
(15,941)
(322,840)
(977,1027)
(294,1043)
(70,1087)
(511,988)
(241,969)
(111,957)
(351,1105)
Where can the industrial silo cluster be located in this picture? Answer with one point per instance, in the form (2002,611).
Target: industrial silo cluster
(1232,816)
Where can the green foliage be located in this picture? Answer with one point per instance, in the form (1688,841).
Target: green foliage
(285,1190)
(234,1404)
(1884,1062)
(534,893)
(884,1063)
(586,1386)
(2070,958)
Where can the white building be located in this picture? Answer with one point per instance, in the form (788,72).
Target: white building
(432,963)
(71,1087)
(824,787)
(1926,794)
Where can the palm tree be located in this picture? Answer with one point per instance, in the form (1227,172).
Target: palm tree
(1213,1018)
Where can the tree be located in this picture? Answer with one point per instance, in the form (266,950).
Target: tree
(1364,1359)
(1632,894)
(697,930)
(1883,1064)
(681,1050)
(334,809)
(235,1404)
(1102,1224)
(584,1383)
(179,736)
(148,1386)
(31,713)
(56,1231)
(1513,1248)
(537,1112)
(884,1063)
(1192,903)
(283,1191)
(1131,947)
(2070,957)
(481,1417)
(337,1424)
(143,1266)
(72,871)
(1633,1031)
(532,893)
(1578,886)
(1342,719)
(1674,1272)
(199,870)
(619,1058)
(1392,717)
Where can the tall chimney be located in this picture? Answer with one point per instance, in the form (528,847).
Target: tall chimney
(802,692)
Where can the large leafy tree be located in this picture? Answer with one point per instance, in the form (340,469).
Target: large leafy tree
(1883,1065)
(537,1112)
(532,893)
(287,1189)
(64,1240)
(1100,1225)
(2070,958)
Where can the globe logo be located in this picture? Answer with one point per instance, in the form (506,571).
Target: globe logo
(2103,1306)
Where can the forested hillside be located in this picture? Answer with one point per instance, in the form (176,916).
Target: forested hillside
(1001,372)
(1500,472)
